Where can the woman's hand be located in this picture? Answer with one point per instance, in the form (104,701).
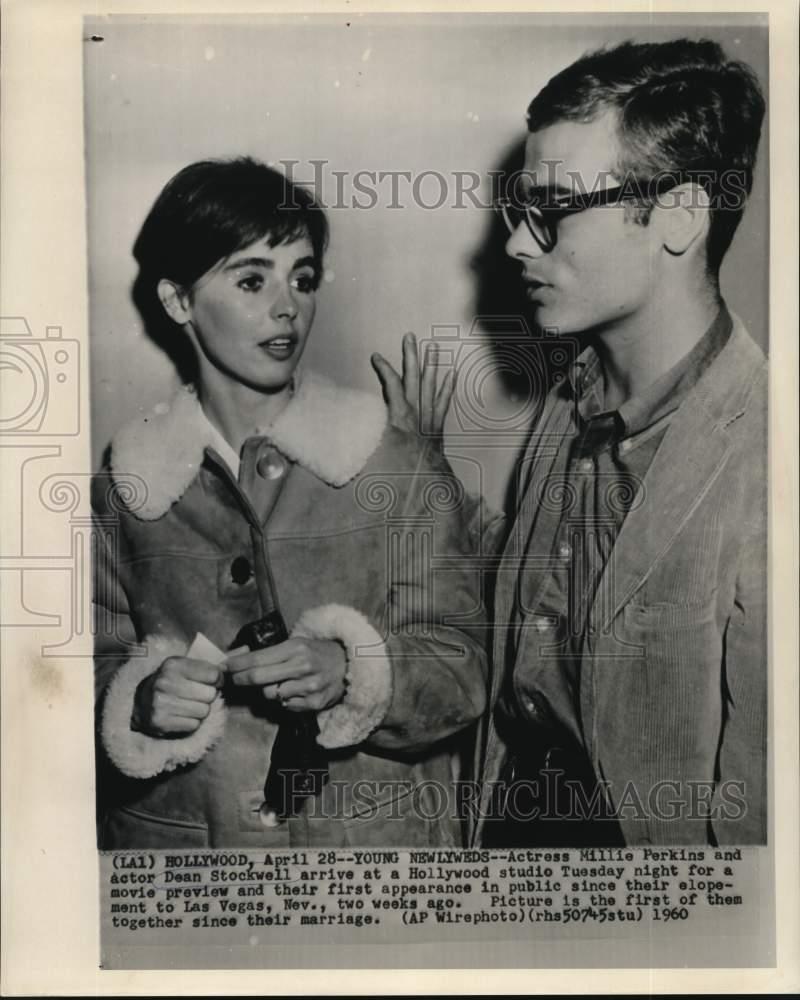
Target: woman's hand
(302,674)
(415,404)
(176,698)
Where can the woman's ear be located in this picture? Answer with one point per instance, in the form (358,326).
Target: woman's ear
(685,217)
(175,301)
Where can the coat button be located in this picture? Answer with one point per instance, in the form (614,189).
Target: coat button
(241,570)
(270,466)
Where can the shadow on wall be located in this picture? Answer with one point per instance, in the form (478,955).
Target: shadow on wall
(528,361)
(503,312)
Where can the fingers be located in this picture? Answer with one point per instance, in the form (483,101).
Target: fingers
(411,370)
(177,698)
(311,693)
(444,397)
(179,668)
(272,674)
(393,390)
(427,396)
(268,656)
(311,679)
(189,680)
(266,666)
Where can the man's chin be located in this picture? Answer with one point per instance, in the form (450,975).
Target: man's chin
(547,316)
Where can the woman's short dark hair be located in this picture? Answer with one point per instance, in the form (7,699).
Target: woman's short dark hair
(208,211)
(683,109)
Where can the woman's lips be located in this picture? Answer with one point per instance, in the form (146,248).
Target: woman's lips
(281,348)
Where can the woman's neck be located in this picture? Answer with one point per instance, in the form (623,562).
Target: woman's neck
(237,410)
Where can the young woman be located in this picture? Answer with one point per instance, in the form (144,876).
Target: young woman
(263,494)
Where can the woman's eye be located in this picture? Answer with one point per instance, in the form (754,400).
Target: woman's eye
(251,283)
(306,282)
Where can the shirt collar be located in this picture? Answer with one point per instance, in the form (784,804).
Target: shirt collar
(220,444)
(661,397)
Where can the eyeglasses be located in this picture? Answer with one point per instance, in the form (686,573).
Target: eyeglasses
(542,213)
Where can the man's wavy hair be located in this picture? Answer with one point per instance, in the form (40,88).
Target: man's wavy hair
(683,109)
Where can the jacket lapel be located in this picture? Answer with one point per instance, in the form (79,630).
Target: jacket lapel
(537,464)
(519,560)
(684,468)
(691,456)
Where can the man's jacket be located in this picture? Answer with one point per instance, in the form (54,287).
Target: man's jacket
(672,701)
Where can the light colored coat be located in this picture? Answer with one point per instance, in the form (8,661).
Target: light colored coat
(350,546)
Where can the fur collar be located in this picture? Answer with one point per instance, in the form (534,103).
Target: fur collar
(328,429)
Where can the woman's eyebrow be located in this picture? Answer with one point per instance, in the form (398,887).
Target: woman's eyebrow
(241,262)
(304,262)
(266,262)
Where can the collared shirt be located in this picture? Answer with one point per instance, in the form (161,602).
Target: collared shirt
(221,446)
(607,461)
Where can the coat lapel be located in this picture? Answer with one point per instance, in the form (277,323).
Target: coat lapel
(536,465)
(536,468)
(691,456)
(685,466)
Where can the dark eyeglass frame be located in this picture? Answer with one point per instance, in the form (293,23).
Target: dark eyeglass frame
(542,213)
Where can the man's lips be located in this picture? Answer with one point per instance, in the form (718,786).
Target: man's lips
(533,286)
(532,282)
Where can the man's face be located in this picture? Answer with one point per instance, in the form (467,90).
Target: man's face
(604,266)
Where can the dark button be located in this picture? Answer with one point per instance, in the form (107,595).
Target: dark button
(241,570)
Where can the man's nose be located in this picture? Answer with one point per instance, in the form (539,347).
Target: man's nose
(521,243)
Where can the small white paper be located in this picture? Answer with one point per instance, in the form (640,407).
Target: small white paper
(203,648)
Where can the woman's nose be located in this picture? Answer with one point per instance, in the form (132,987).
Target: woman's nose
(284,305)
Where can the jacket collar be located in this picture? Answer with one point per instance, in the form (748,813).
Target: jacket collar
(328,429)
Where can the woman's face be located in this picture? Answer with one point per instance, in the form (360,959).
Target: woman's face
(250,315)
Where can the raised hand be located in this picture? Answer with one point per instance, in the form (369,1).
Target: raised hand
(415,402)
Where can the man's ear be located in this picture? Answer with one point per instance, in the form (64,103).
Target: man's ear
(685,217)
(175,301)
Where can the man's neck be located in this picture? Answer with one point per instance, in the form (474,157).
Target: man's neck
(635,356)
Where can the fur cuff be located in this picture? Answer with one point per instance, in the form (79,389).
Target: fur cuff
(137,754)
(369,690)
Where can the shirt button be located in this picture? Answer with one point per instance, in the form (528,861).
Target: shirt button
(270,466)
(241,570)
(565,550)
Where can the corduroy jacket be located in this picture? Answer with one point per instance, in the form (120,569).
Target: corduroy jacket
(672,700)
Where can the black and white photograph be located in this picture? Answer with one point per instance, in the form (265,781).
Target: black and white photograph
(420,555)
(319,539)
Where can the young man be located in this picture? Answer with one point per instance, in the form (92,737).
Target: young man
(630,661)
(633,702)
